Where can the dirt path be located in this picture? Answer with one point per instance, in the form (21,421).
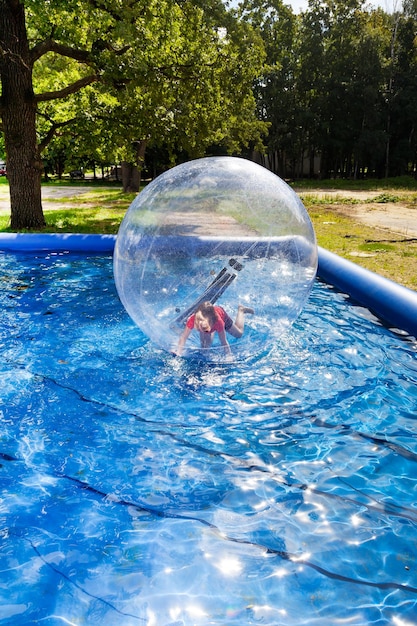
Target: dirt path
(391,216)
(51,197)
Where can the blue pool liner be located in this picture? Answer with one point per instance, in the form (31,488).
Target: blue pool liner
(392,303)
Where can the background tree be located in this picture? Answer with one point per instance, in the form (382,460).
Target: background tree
(401,95)
(275,86)
(339,92)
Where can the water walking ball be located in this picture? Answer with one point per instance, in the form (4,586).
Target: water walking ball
(218,229)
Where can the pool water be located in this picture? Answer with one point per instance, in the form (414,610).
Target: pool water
(140,488)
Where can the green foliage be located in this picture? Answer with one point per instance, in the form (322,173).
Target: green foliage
(326,199)
(367,184)
(184,79)
(384,198)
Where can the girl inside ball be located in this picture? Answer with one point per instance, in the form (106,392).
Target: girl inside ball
(209,319)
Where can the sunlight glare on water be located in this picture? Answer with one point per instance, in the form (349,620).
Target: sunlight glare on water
(140,488)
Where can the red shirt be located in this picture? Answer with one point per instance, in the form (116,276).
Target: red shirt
(218,326)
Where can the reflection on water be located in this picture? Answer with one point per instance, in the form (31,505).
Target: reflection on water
(139,488)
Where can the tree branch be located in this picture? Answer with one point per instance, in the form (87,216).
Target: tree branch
(83,56)
(50,45)
(52,132)
(63,93)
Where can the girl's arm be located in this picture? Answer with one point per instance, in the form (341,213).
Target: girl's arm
(224,342)
(181,341)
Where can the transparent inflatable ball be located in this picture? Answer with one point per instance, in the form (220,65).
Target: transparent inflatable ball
(222,230)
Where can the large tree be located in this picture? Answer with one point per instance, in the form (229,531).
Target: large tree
(136,54)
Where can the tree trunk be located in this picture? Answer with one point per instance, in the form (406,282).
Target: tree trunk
(18,112)
(130,177)
(132,174)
